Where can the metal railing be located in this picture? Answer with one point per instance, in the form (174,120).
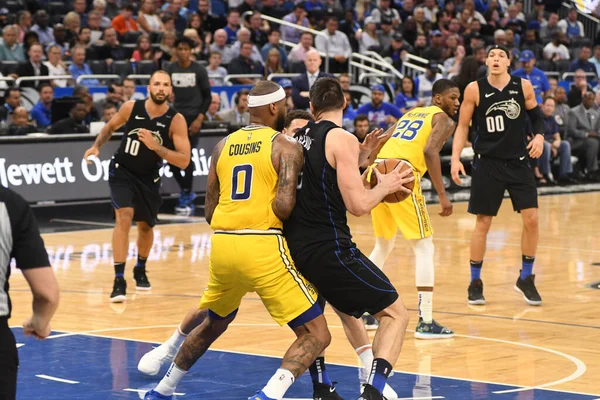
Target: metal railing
(590,76)
(97,77)
(270,77)
(367,75)
(40,78)
(590,24)
(360,63)
(300,28)
(228,78)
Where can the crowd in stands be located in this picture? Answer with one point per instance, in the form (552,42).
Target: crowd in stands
(90,37)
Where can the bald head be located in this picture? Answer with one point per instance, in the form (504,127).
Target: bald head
(312,61)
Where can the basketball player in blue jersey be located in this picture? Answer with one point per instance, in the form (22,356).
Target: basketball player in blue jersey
(497,105)
(319,236)
(153,132)
(251,189)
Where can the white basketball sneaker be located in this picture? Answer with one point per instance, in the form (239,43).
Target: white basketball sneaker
(151,362)
(389,393)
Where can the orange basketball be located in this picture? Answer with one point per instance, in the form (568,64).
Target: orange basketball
(387,166)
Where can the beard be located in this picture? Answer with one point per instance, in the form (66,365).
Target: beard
(280,121)
(157,100)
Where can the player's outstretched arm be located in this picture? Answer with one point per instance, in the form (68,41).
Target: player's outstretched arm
(117,121)
(181,156)
(288,158)
(443,127)
(467,109)
(213,188)
(342,151)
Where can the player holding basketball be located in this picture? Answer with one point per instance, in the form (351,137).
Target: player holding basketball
(418,138)
(251,189)
(319,236)
(323,387)
(497,106)
(154,132)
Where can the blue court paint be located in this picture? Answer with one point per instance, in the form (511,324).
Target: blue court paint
(105,367)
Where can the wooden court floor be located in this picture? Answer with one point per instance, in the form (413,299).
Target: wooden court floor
(506,341)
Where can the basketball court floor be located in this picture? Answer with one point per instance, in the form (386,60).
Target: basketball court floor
(503,350)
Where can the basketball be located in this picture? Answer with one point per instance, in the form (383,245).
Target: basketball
(387,166)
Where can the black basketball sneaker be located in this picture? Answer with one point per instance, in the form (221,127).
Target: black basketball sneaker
(141,280)
(119,290)
(322,391)
(527,288)
(370,393)
(476,292)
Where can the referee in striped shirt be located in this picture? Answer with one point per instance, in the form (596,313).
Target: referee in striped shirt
(20,239)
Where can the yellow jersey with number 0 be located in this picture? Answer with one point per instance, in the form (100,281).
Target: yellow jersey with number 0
(248,181)
(410,137)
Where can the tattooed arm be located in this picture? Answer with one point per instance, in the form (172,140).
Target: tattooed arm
(288,158)
(213,188)
(442,128)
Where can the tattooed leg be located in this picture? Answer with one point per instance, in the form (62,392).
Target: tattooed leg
(199,340)
(312,340)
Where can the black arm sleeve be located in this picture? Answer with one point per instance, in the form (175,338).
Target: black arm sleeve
(28,247)
(204,84)
(537,120)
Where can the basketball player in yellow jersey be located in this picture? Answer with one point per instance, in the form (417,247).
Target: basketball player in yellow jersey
(251,189)
(418,138)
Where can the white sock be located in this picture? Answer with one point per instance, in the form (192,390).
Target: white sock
(426,306)
(366,356)
(382,250)
(167,385)
(279,384)
(176,339)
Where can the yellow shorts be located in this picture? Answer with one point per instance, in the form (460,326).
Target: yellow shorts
(255,262)
(409,216)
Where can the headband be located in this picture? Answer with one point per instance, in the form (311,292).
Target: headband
(499,47)
(266,99)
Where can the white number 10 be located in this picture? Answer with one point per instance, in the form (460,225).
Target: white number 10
(132,146)
(495,124)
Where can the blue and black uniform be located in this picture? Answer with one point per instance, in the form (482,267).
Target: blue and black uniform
(319,237)
(134,178)
(501,158)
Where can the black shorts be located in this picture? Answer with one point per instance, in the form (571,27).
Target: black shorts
(9,362)
(347,280)
(140,193)
(492,176)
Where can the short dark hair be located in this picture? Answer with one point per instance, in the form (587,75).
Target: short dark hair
(244,43)
(44,85)
(306,33)
(184,40)
(359,118)
(441,85)
(548,98)
(77,102)
(326,95)
(297,114)
(128,7)
(108,106)
(79,90)
(264,87)
(10,90)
